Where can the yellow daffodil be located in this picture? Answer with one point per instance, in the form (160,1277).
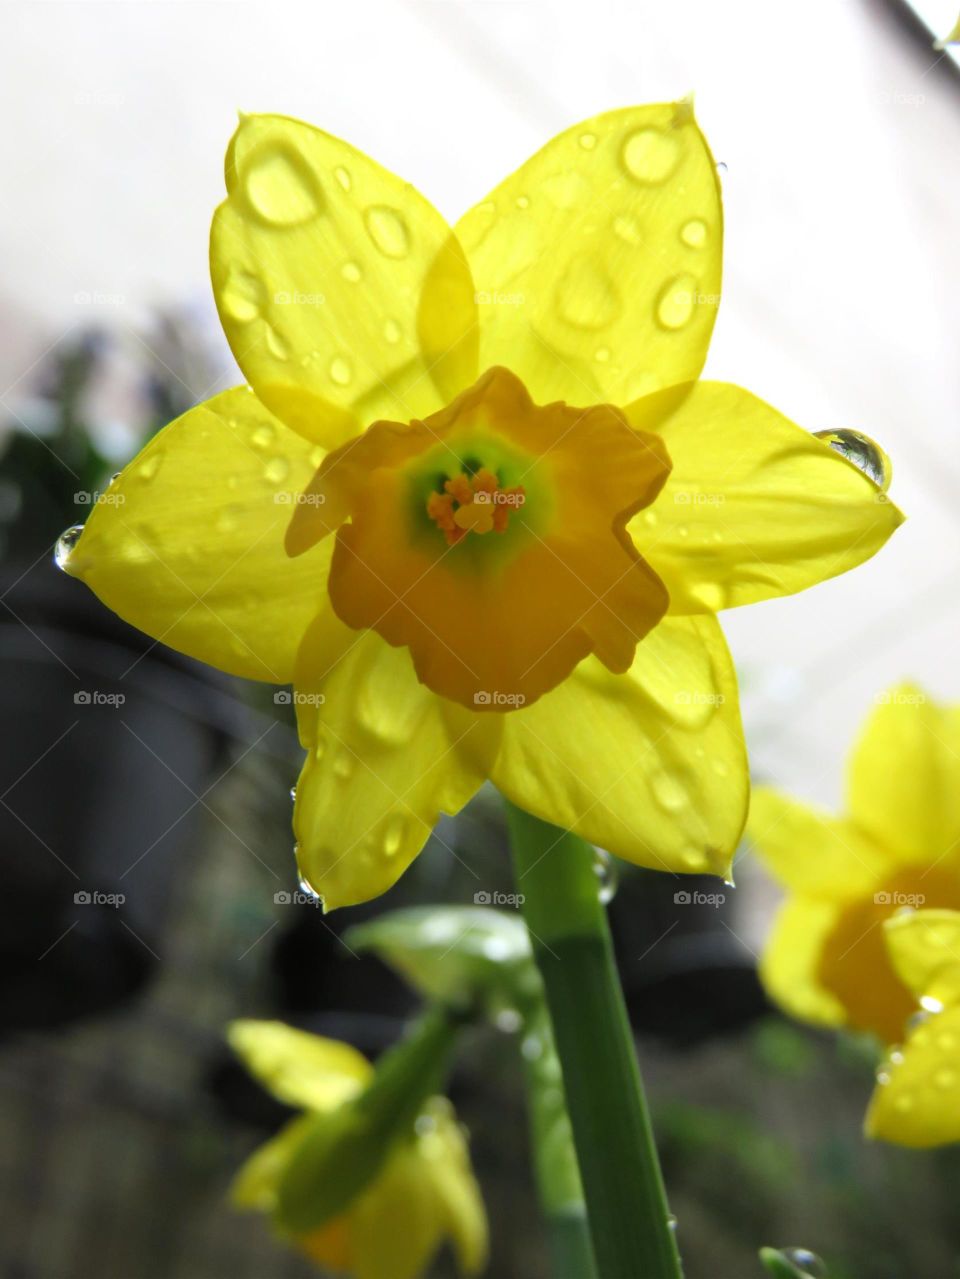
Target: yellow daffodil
(423,1195)
(917,1098)
(897,845)
(474,503)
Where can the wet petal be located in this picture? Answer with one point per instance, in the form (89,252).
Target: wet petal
(597,263)
(650,765)
(385,758)
(188,544)
(343,293)
(755,507)
(917,1099)
(921,944)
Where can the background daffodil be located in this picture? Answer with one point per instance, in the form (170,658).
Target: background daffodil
(897,845)
(424,1194)
(474,503)
(917,1098)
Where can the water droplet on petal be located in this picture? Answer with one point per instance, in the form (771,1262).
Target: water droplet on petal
(607,872)
(343,766)
(341,371)
(931,1003)
(280,186)
(393,835)
(602,354)
(243,296)
(883,1077)
(115,476)
(676,302)
(351,271)
(306,887)
(387,230)
(586,296)
(276,470)
(668,792)
(293,794)
(523,202)
(694,233)
(865,455)
(343,177)
(588,141)
(276,345)
(150,465)
(650,156)
(672,1224)
(627,229)
(263,436)
(392,331)
(64,548)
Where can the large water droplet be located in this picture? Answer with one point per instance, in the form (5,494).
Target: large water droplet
(694,233)
(280,186)
(650,156)
(343,177)
(586,296)
(393,835)
(807,1262)
(387,230)
(307,888)
(676,301)
(276,470)
(341,371)
(243,296)
(668,792)
(865,455)
(64,548)
(607,871)
(276,345)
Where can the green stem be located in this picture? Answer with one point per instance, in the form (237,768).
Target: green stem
(554,1156)
(626,1202)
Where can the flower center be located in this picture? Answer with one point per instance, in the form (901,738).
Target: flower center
(476,504)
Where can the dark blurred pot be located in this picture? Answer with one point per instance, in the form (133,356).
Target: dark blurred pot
(97,795)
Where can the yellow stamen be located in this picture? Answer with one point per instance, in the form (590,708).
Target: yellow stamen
(476,506)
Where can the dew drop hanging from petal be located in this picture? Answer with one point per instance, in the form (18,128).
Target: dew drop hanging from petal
(64,548)
(865,455)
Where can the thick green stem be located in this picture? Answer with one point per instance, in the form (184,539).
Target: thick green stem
(629,1220)
(554,1157)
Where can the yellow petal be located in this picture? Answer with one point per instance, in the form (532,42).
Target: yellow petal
(790,964)
(299,1068)
(255,1184)
(446,1164)
(650,765)
(922,943)
(919,1104)
(343,293)
(385,758)
(597,263)
(755,506)
(903,784)
(809,851)
(188,544)
(952,37)
(398,1223)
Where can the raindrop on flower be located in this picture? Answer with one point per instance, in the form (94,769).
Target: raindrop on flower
(694,233)
(607,872)
(280,186)
(308,889)
(350,271)
(393,836)
(340,371)
(807,1262)
(676,302)
(650,156)
(65,546)
(672,1224)
(293,794)
(588,141)
(343,177)
(865,455)
(387,230)
(276,470)
(508,1020)
(391,331)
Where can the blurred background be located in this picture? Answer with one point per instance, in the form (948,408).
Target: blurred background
(122,1118)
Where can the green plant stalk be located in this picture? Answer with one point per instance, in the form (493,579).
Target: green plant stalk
(554,1157)
(626,1202)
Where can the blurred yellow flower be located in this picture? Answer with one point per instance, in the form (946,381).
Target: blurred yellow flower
(952,38)
(475,504)
(917,1098)
(424,1194)
(898,845)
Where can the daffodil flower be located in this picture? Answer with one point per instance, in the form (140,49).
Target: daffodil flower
(917,1098)
(474,503)
(424,1194)
(895,847)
